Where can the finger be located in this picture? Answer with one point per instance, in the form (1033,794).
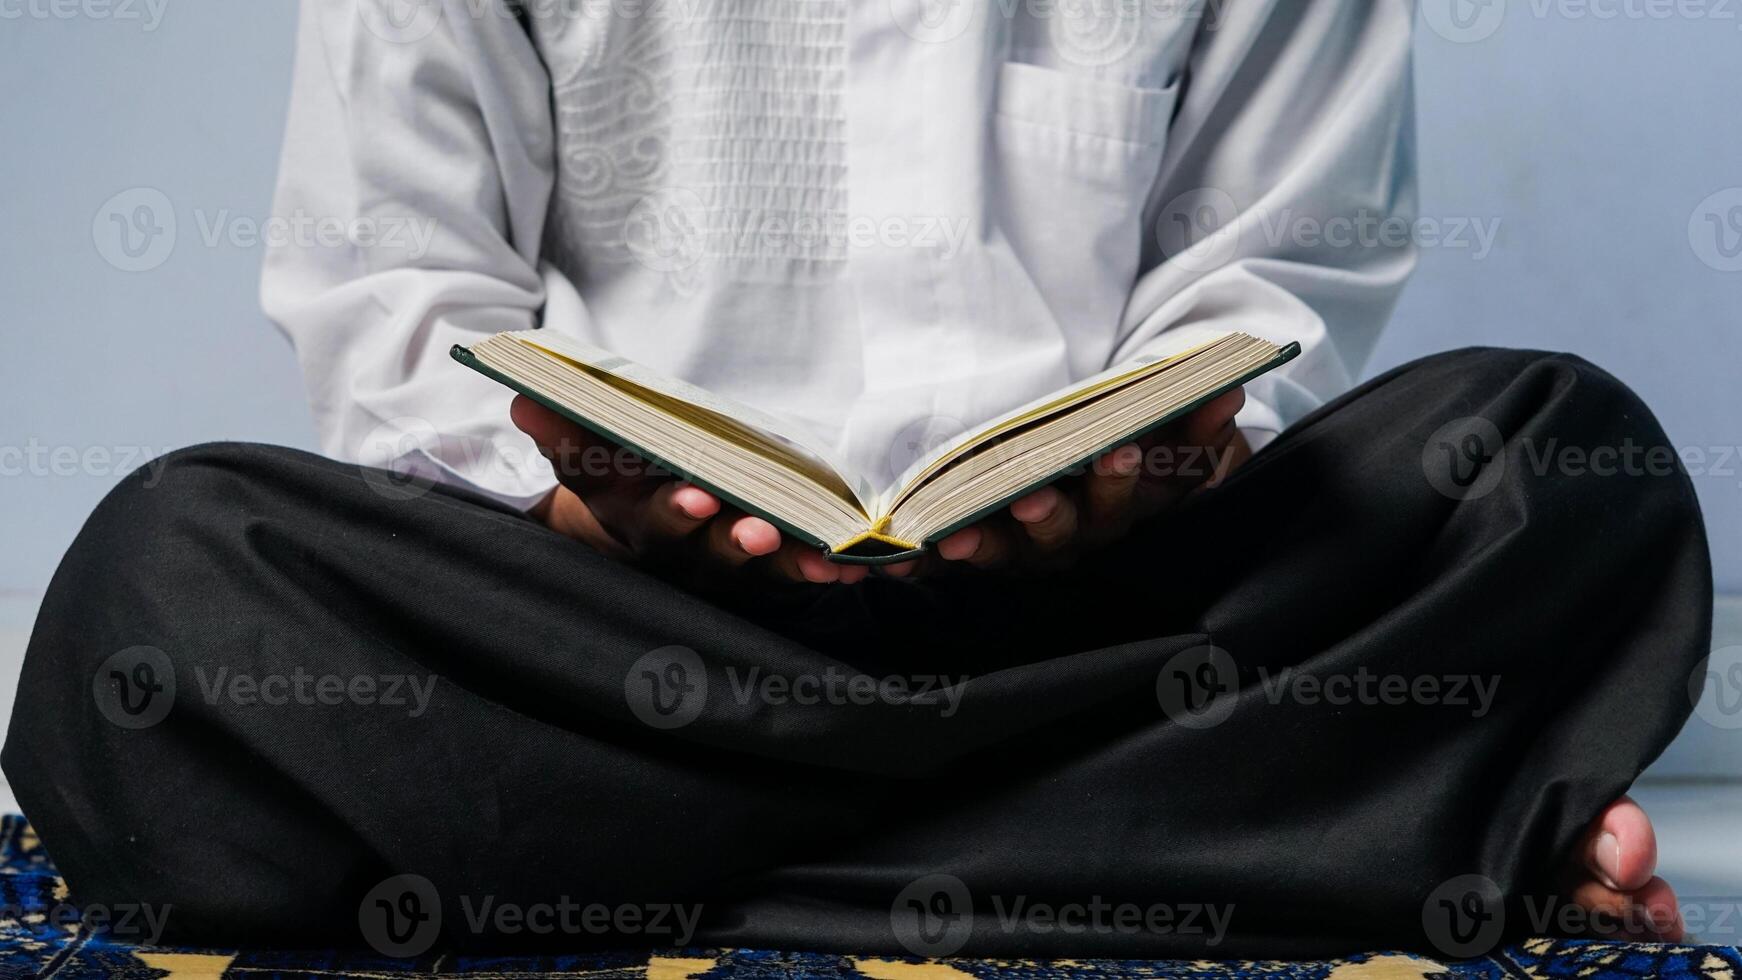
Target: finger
(564,512)
(1194,450)
(899,569)
(1186,466)
(984,545)
(1210,417)
(542,424)
(1111,486)
(1232,455)
(676,510)
(1048,517)
(803,563)
(799,562)
(546,428)
(1218,456)
(575,453)
(735,539)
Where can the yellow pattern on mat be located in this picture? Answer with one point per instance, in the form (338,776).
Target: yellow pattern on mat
(188,966)
(900,970)
(678,967)
(1388,967)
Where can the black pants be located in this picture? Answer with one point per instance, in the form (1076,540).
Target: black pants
(1268,704)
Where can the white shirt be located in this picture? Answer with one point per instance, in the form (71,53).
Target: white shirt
(887,219)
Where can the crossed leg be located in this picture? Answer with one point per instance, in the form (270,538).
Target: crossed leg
(1051,772)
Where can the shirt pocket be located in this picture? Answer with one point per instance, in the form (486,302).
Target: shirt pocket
(1075,158)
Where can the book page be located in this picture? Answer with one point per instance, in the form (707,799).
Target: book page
(1052,403)
(1043,447)
(785,433)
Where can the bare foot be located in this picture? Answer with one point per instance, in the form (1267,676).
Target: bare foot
(1613,875)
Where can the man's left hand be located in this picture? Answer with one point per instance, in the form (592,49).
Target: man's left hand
(1056,525)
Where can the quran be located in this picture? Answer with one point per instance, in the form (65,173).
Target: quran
(777,470)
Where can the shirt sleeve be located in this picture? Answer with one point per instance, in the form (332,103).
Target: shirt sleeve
(1285,206)
(417,167)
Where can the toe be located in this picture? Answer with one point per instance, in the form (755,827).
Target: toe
(1621,850)
(1649,912)
(1661,910)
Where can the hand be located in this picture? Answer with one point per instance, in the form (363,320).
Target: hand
(621,505)
(1057,524)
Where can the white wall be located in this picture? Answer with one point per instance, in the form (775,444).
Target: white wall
(97,358)
(1595,145)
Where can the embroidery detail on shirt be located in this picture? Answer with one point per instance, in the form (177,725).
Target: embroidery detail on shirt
(700,138)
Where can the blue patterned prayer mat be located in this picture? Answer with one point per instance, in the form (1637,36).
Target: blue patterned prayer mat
(37,939)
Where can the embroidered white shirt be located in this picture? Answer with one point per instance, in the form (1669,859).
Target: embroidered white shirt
(887,219)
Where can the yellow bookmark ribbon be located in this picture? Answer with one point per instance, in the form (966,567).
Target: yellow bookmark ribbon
(876,533)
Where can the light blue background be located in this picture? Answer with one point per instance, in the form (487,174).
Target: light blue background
(1590,141)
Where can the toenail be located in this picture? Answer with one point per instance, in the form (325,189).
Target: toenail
(1609,860)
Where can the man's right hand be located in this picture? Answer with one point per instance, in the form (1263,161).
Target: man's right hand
(655,520)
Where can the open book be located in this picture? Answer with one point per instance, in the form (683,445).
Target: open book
(778,471)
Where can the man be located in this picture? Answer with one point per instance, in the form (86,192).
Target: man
(1180,680)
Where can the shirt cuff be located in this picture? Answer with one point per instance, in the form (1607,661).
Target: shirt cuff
(408,456)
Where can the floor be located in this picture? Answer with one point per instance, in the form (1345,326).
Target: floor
(17,612)
(1694,795)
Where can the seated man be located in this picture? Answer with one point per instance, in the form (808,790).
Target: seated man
(1387,662)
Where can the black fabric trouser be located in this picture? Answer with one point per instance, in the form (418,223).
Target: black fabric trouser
(1409,534)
